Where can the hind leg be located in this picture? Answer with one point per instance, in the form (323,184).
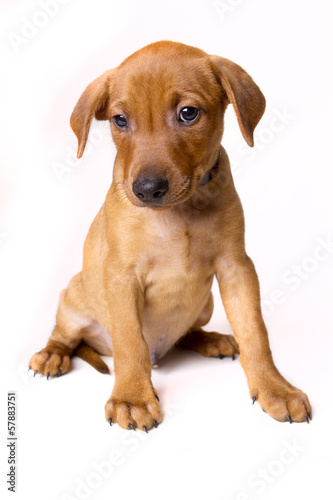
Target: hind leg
(71,320)
(210,344)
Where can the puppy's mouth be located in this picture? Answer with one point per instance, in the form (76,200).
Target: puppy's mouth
(159,192)
(154,193)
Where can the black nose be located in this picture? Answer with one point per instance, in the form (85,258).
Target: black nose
(150,190)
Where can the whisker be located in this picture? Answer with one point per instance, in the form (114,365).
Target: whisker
(118,183)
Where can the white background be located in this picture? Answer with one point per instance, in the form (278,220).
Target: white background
(213,443)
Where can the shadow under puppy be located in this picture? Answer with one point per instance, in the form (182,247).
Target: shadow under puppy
(171,221)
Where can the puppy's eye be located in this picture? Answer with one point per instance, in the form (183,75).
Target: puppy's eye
(188,114)
(119,121)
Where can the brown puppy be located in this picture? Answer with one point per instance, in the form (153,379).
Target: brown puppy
(171,221)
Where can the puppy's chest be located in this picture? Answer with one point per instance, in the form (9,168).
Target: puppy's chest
(178,255)
(176,278)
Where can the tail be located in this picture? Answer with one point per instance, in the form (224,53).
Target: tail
(89,355)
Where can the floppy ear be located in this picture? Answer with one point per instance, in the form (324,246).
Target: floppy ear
(245,96)
(93,102)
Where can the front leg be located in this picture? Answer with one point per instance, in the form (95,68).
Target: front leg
(134,402)
(240,294)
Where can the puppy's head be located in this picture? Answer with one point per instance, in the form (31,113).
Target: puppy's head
(165,104)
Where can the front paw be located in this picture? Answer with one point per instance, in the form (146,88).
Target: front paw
(282,401)
(139,410)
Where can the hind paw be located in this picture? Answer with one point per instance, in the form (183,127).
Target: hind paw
(211,344)
(53,360)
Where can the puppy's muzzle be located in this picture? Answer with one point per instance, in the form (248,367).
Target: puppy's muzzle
(150,190)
